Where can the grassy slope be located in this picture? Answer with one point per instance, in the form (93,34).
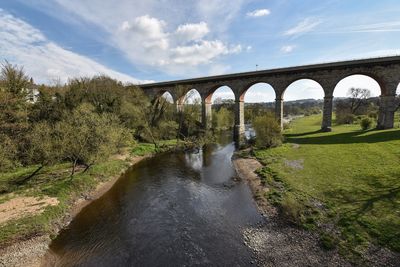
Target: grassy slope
(355,174)
(54,181)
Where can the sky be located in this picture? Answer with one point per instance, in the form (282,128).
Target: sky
(161,40)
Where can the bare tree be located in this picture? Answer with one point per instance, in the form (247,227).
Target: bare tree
(357,98)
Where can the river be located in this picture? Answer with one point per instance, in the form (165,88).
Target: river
(175,209)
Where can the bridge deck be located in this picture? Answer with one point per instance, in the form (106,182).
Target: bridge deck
(296,69)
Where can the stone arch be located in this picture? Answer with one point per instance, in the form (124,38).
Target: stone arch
(293,82)
(210,96)
(165,94)
(264,101)
(251,86)
(364,79)
(307,88)
(190,96)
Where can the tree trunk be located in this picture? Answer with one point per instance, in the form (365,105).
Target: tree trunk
(73,168)
(87,167)
(19,182)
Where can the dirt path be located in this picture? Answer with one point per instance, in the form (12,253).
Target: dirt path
(19,207)
(276,242)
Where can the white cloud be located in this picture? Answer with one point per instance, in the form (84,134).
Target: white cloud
(392,26)
(306,25)
(189,32)
(152,37)
(201,53)
(287,48)
(44,60)
(259,13)
(150,31)
(147,41)
(219,13)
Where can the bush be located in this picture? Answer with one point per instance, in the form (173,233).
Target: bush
(365,123)
(87,137)
(345,118)
(8,153)
(268,131)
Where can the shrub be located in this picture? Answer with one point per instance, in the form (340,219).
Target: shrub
(8,153)
(292,209)
(268,131)
(345,118)
(365,123)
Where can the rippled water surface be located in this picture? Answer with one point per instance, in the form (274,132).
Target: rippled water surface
(176,209)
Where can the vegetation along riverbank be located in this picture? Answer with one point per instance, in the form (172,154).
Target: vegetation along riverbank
(33,214)
(61,145)
(338,191)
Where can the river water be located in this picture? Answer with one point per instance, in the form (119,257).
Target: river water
(176,209)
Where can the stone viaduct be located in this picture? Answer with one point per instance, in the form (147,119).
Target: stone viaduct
(385,70)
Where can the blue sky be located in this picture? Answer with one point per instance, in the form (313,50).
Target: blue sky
(159,40)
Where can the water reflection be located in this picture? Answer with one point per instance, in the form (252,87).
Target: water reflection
(175,209)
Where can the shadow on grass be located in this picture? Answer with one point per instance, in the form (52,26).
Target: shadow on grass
(368,205)
(353,137)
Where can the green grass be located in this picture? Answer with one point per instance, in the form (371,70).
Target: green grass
(55,181)
(143,149)
(348,177)
(52,181)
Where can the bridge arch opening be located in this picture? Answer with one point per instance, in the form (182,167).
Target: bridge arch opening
(223,113)
(354,96)
(259,99)
(303,97)
(192,97)
(357,81)
(191,102)
(167,96)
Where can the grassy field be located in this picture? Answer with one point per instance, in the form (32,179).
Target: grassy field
(344,184)
(55,181)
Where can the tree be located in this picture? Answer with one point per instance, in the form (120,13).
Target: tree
(268,131)
(13,104)
(356,104)
(223,119)
(44,147)
(358,97)
(8,153)
(87,137)
(14,80)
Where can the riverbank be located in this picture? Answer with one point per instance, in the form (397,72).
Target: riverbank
(26,235)
(277,242)
(341,186)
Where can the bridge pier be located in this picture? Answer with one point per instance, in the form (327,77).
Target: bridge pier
(279,111)
(327,114)
(239,129)
(179,107)
(387,108)
(206,113)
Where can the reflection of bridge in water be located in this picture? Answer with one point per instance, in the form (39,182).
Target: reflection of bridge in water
(385,71)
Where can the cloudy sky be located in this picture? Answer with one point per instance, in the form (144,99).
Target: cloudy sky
(159,40)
